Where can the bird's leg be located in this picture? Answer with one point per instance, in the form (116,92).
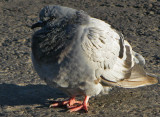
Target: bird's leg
(84,105)
(69,103)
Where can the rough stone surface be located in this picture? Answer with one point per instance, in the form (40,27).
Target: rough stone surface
(22,93)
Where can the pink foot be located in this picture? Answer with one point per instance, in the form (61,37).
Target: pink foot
(83,106)
(69,103)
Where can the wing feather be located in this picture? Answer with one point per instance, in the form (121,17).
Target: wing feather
(112,57)
(101,45)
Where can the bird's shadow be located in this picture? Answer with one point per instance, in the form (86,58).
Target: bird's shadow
(12,94)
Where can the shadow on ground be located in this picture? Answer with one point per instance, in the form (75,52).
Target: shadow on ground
(12,95)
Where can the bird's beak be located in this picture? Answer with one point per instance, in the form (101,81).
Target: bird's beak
(38,24)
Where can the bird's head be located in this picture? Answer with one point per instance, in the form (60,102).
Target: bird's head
(52,13)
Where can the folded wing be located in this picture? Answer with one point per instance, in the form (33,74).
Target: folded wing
(112,57)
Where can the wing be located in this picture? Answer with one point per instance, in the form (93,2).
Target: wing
(112,57)
(103,46)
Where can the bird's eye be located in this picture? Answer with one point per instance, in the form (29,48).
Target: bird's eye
(46,12)
(52,18)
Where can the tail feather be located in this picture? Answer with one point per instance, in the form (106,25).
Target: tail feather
(138,78)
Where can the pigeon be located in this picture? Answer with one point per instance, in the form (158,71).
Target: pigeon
(83,56)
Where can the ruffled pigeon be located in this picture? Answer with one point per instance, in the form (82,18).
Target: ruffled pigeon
(82,55)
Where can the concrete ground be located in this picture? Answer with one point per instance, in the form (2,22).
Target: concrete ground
(22,93)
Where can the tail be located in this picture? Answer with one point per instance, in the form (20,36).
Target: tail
(138,78)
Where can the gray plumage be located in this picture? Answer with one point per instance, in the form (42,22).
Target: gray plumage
(82,55)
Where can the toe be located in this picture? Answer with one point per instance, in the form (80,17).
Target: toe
(59,103)
(74,109)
